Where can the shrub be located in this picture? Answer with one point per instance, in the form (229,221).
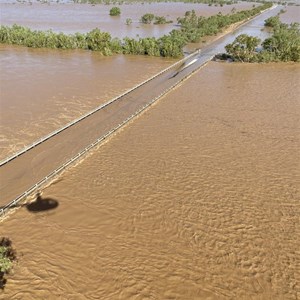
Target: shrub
(7,256)
(147,18)
(272,21)
(283,45)
(115,11)
(161,20)
(128,21)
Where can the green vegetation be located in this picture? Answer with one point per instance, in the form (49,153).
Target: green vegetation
(94,40)
(147,18)
(171,45)
(7,256)
(128,21)
(115,11)
(194,28)
(161,20)
(283,45)
(243,47)
(272,21)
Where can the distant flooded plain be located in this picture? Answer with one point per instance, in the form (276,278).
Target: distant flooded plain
(71,18)
(198,198)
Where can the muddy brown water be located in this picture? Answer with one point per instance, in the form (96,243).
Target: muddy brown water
(292,14)
(196,199)
(35,102)
(42,90)
(71,18)
(33,166)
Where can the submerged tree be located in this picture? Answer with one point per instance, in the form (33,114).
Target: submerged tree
(272,21)
(128,21)
(147,18)
(7,256)
(161,20)
(115,11)
(283,45)
(243,48)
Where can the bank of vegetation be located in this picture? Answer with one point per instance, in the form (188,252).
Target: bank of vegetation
(282,45)
(192,29)
(7,257)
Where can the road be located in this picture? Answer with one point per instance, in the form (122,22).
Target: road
(21,173)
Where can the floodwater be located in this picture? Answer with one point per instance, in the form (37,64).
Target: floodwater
(71,18)
(292,14)
(196,199)
(42,90)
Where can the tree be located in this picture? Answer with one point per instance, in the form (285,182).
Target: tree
(98,41)
(284,44)
(272,21)
(115,11)
(7,256)
(147,18)
(161,20)
(128,21)
(243,48)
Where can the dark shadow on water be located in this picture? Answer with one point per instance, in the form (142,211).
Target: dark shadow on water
(41,204)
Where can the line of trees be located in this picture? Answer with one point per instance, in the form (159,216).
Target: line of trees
(282,45)
(170,45)
(194,27)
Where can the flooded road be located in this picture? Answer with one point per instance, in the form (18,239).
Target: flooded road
(197,199)
(39,162)
(24,171)
(43,90)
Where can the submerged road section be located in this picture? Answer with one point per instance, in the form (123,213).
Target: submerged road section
(28,170)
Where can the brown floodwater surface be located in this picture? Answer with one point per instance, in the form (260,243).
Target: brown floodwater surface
(71,18)
(292,14)
(196,199)
(42,90)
